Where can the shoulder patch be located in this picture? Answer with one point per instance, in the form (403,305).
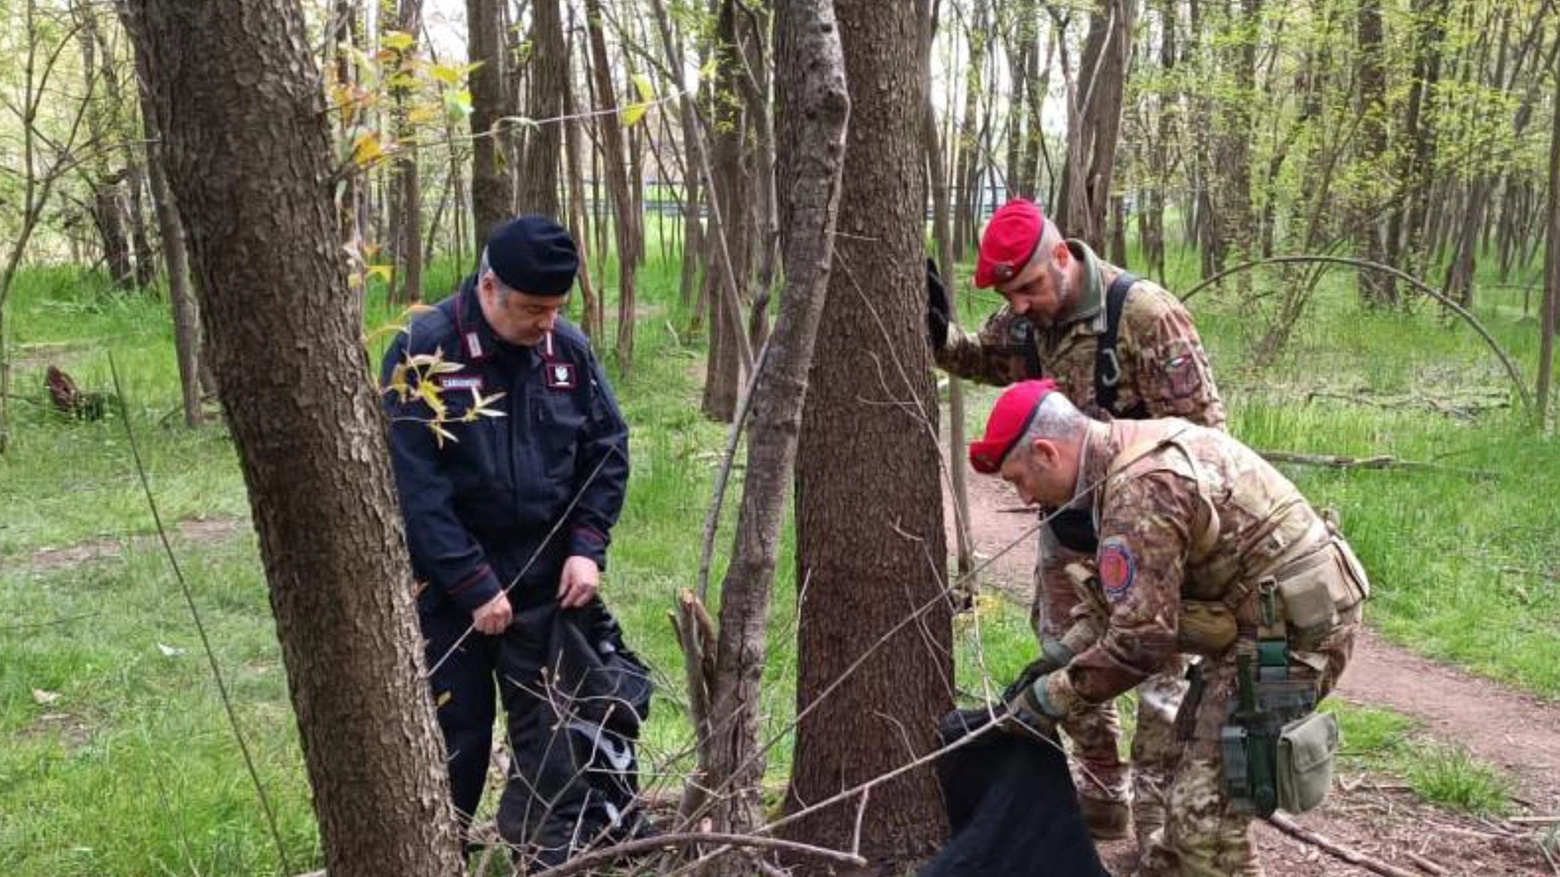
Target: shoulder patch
(1118,568)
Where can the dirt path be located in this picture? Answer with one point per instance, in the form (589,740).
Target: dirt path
(196,531)
(1496,724)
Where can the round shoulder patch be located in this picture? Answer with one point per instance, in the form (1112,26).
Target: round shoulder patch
(1118,567)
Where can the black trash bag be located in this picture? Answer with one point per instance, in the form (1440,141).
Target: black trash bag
(1012,808)
(574,775)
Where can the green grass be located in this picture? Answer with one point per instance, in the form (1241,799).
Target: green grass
(1385,742)
(132,769)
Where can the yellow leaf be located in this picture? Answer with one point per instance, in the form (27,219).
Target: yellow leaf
(427,392)
(398,40)
(642,85)
(383,272)
(366,148)
(444,368)
(440,433)
(633,114)
(422,113)
(445,74)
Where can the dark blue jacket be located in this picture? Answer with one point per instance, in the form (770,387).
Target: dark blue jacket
(478,507)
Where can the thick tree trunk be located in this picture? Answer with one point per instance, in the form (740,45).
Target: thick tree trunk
(626,221)
(489,99)
(249,160)
(868,549)
(810,90)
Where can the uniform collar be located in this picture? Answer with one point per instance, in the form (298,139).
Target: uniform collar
(478,341)
(1094,457)
(1087,311)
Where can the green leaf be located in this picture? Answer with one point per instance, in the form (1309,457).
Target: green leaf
(398,40)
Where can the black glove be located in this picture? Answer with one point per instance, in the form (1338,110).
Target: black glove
(936,306)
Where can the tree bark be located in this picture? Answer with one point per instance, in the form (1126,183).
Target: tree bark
(249,160)
(870,550)
(731,168)
(1551,309)
(1375,289)
(490,202)
(590,302)
(548,85)
(406,195)
(1094,122)
(181,298)
(814,108)
(626,223)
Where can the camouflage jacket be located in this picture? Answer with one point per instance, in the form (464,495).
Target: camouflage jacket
(1163,363)
(1186,515)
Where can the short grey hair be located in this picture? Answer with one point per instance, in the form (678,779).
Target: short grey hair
(485,267)
(1056,419)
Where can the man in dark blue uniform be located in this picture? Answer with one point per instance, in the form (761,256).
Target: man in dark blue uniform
(509,493)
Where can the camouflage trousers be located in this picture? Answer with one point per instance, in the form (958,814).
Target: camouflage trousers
(1202,835)
(1100,771)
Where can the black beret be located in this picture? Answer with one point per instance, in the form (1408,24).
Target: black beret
(534,255)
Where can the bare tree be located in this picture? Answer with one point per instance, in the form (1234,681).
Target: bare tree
(249,160)
(1551,310)
(549,87)
(626,221)
(814,108)
(1094,121)
(871,551)
(490,196)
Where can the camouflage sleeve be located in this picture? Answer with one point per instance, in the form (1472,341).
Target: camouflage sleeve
(1174,378)
(995,355)
(1141,562)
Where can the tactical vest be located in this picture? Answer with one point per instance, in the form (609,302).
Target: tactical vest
(1268,566)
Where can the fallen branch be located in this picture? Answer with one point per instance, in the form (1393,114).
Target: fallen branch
(1534,820)
(1354,857)
(1424,863)
(634,847)
(1375,461)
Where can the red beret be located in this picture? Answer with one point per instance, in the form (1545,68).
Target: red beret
(1009,242)
(1010,419)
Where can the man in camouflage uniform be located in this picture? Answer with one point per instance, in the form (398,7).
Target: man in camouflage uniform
(1204,548)
(1121,348)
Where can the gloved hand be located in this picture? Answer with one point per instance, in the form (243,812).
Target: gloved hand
(1054,655)
(1025,714)
(936,306)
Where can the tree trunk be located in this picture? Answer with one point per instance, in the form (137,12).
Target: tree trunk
(489,182)
(967,218)
(406,197)
(1094,122)
(590,302)
(181,298)
(627,223)
(942,236)
(869,549)
(732,171)
(548,82)
(810,91)
(249,160)
(1551,309)
(1377,288)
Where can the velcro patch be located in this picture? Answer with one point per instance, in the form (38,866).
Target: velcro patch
(559,375)
(1184,375)
(1118,568)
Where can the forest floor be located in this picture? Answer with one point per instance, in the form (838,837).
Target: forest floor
(1371,810)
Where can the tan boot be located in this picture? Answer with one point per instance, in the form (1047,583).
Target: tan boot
(1106,819)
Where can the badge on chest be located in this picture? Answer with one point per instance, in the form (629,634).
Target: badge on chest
(559,375)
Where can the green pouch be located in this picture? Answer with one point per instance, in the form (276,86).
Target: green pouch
(1306,748)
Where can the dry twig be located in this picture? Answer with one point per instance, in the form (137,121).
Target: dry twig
(1353,857)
